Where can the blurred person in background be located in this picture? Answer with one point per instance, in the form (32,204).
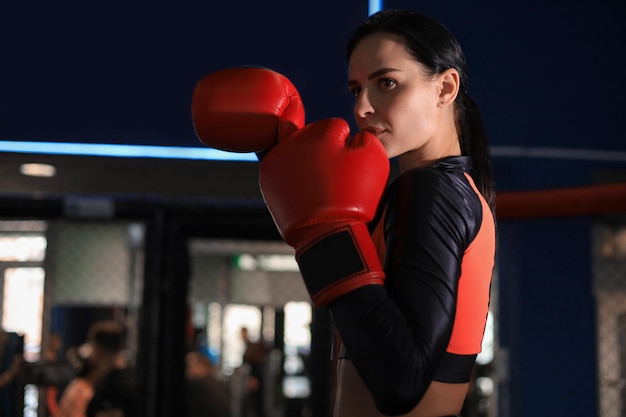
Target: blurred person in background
(94,361)
(206,392)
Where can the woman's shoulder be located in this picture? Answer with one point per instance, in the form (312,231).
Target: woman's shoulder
(437,194)
(448,177)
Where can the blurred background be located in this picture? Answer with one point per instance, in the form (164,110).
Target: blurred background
(110,209)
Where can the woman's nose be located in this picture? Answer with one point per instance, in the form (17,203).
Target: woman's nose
(363,106)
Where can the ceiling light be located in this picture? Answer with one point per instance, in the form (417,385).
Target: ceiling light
(38,170)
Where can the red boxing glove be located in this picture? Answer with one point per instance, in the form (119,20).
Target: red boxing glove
(322,188)
(245,109)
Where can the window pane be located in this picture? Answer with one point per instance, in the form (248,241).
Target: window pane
(23,307)
(22,248)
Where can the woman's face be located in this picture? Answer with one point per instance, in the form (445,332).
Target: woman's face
(395,98)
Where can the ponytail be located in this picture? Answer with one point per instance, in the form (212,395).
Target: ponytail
(473,141)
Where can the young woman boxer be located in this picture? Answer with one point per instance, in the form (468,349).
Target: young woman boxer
(405,268)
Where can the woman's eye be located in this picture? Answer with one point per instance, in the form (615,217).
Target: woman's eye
(355,91)
(387,83)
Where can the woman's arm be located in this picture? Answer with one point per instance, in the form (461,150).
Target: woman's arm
(396,335)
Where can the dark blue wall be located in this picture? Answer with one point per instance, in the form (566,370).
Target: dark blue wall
(544,72)
(123,72)
(546,318)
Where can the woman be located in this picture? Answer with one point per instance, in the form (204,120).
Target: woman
(408,347)
(405,269)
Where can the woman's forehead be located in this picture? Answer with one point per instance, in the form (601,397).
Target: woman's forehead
(376,51)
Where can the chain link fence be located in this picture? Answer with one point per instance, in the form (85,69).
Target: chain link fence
(609,283)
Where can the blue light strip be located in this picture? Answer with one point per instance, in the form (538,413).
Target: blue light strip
(374,6)
(123,151)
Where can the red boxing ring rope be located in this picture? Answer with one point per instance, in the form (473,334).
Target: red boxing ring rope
(559,202)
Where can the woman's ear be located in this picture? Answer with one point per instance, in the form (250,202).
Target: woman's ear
(449,83)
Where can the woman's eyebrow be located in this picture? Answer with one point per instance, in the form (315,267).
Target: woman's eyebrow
(373,75)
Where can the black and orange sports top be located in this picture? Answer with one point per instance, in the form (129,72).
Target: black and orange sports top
(436,239)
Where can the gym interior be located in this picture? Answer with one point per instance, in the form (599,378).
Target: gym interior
(110,208)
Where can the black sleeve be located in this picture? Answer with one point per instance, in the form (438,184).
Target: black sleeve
(396,334)
(117,391)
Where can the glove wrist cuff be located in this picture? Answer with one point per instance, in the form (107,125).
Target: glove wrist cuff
(339,261)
